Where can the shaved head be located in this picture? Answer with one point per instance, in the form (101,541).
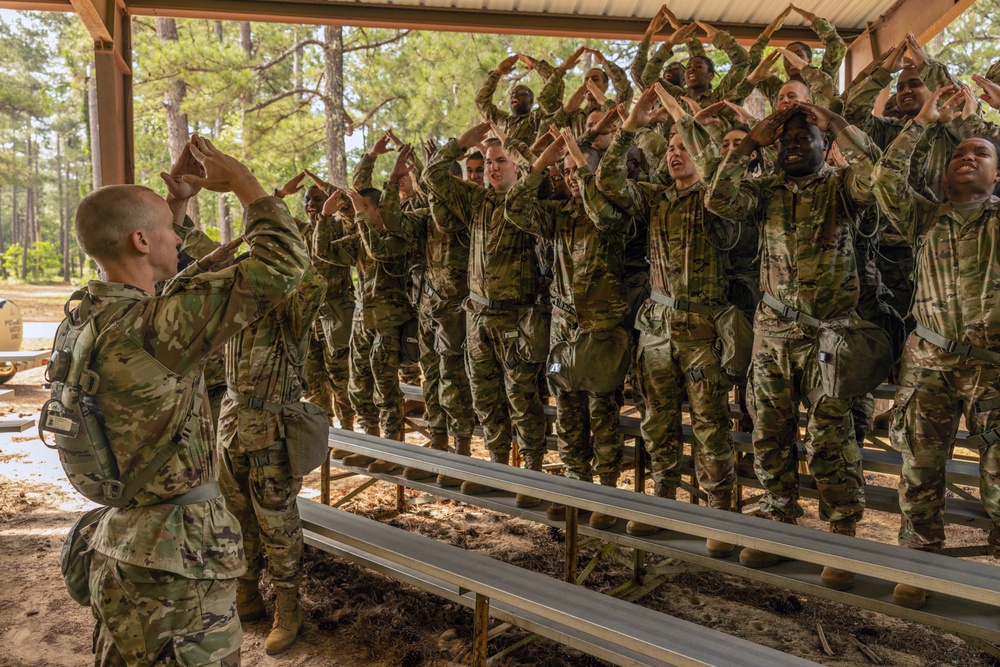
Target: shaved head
(107,216)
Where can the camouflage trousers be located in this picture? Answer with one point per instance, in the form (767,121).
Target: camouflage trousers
(925,419)
(587,424)
(261,493)
(782,373)
(328,375)
(504,383)
(442,357)
(387,351)
(665,369)
(361,385)
(152,618)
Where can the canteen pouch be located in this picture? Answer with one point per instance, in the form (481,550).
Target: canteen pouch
(77,556)
(409,342)
(854,357)
(735,340)
(533,334)
(335,321)
(595,362)
(307,435)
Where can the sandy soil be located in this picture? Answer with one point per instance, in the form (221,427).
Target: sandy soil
(356,617)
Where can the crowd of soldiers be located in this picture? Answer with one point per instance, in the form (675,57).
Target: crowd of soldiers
(582,249)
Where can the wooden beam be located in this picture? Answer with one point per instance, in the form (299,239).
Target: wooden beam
(94,15)
(113,74)
(440,18)
(924,18)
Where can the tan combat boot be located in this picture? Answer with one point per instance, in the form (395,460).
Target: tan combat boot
(381,467)
(831,577)
(532,461)
(463,447)
(908,596)
(720,500)
(360,460)
(439,441)
(287,621)
(476,489)
(600,520)
(756,558)
(347,424)
(639,529)
(556,512)
(249,603)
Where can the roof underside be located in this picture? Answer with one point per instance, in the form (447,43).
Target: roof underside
(609,19)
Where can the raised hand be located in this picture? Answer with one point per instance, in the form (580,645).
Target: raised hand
(767,131)
(552,154)
(357,201)
(775,25)
(710,30)
(186,164)
(709,114)
(500,134)
(543,140)
(401,168)
(394,139)
(767,68)
(381,147)
(742,115)
(642,112)
(674,22)
(792,59)
(572,147)
(220,255)
(334,203)
(672,106)
(316,180)
(610,122)
(576,99)
(430,148)
(933,112)
(573,59)
(474,135)
(658,22)
(808,16)
(970,105)
(917,54)
(596,92)
(991,91)
(506,65)
(824,119)
(681,34)
(895,58)
(222,173)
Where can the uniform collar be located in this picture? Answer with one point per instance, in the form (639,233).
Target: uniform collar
(105,290)
(992,203)
(797,186)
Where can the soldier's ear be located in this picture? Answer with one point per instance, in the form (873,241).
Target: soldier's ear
(139,241)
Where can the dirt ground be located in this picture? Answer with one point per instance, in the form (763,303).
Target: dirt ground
(356,617)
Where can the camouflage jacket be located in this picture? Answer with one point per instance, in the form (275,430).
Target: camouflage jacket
(807,228)
(445,242)
(502,261)
(576,119)
(524,127)
(738,57)
(339,284)
(685,260)
(143,403)
(589,246)
(266,360)
(957,273)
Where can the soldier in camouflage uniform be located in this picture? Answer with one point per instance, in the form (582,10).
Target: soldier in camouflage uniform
(522,122)
(507,339)
(808,214)
(588,104)
(264,367)
(588,296)
(951,362)
(677,326)
(163,575)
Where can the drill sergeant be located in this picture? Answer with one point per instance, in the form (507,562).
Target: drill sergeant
(588,299)
(163,572)
(807,213)
(951,362)
(507,339)
(676,349)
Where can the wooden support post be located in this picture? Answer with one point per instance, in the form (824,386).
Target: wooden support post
(640,465)
(515,455)
(638,566)
(109,24)
(572,542)
(400,498)
(481,621)
(324,480)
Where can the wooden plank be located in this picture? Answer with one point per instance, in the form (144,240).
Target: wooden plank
(15,424)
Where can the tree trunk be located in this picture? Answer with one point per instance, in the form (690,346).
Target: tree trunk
(29,212)
(246,38)
(63,222)
(95,144)
(222,203)
(3,269)
(336,123)
(177,121)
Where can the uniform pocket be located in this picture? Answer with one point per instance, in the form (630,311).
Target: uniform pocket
(898,436)
(533,335)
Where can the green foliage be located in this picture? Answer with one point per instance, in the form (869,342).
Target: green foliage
(12,260)
(43,261)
